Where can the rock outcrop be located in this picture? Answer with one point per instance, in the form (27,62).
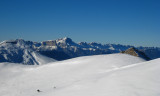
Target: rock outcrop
(135,52)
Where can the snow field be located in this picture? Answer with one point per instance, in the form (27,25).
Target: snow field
(100,75)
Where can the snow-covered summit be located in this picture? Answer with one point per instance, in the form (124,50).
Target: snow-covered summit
(65,40)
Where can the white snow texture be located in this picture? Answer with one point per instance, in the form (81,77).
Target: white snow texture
(100,75)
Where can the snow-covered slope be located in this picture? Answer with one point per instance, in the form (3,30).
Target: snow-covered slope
(101,75)
(40,59)
(20,51)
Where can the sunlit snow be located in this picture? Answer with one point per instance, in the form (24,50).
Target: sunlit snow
(100,75)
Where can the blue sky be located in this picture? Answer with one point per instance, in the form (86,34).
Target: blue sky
(133,22)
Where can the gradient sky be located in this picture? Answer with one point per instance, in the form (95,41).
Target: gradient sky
(133,22)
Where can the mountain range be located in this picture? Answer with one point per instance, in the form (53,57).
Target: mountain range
(29,52)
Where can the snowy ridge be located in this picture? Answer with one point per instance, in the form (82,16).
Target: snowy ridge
(40,59)
(20,51)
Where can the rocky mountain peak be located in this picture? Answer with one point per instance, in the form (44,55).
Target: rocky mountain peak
(135,52)
(16,43)
(64,40)
(68,40)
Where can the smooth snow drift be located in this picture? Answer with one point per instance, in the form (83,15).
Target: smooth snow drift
(102,75)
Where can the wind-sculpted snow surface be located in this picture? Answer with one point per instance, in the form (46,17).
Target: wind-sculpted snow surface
(100,75)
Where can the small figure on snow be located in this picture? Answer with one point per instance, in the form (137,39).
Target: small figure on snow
(39,90)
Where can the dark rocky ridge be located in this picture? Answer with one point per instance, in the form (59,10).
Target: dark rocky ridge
(133,51)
